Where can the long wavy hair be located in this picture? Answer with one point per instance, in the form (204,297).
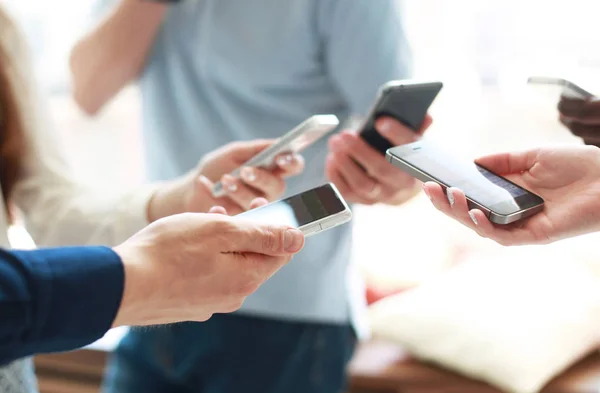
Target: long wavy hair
(12,123)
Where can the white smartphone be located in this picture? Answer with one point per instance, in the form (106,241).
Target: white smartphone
(570,89)
(501,200)
(296,140)
(311,211)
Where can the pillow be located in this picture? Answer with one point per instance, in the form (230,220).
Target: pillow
(514,320)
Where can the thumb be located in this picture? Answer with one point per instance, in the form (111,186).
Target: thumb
(218,210)
(243,151)
(258,202)
(273,240)
(509,163)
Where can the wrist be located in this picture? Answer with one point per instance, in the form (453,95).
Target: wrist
(135,302)
(167,200)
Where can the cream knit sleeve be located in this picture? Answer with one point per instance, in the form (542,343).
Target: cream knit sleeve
(56,209)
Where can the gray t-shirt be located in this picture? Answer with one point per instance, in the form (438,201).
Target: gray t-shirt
(227,70)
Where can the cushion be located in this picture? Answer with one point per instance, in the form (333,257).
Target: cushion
(514,320)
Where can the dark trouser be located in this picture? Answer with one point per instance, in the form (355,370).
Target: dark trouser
(232,354)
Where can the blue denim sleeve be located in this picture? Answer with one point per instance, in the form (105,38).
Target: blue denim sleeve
(57,299)
(365,45)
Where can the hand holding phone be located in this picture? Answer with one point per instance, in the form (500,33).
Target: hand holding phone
(296,140)
(582,118)
(501,200)
(567,177)
(311,211)
(404,101)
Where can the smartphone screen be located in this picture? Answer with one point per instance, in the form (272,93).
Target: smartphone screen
(499,195)
(300,210)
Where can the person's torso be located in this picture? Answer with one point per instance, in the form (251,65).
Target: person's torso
(227,70)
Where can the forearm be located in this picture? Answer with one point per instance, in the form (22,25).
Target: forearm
(65,213)
(114,53)
(57,299)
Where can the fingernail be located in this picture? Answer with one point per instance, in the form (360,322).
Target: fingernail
(292,240)
(375,191)
(384,127)
(450,196)
(473,218)
(426,192)
(204,180)
(284,160)
(248,174)
(229,184)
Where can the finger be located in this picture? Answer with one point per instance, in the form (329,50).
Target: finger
(582,111)
(357,179)
(459,206)
(289,164)
(509,235)
(203,192)
(395,132)
(238,192)
(426,124)
(509,163)
(584,131)
(570,107)
(258,202)
(566,121)
(453,203)
(218,210)
(363,185)
(264,182)
(243,151)
(371,160)
(334,175)
(273,240)
(437,196)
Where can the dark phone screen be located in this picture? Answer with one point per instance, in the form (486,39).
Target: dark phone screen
(300,209)
(479,184)
(406,102)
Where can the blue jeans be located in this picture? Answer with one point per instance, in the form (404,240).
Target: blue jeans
(232,354)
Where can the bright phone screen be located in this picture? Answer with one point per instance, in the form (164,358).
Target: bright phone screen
(479,184)
(300,209)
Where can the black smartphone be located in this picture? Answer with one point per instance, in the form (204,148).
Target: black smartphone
(502,201)
(406,101)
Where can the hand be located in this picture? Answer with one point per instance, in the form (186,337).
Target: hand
(258,202)
(567,178)
(193,191)
(382,182)
(190,266)
(582,118)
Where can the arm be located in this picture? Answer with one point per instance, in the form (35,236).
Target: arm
(56,299)
(114,53)
(58,210)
